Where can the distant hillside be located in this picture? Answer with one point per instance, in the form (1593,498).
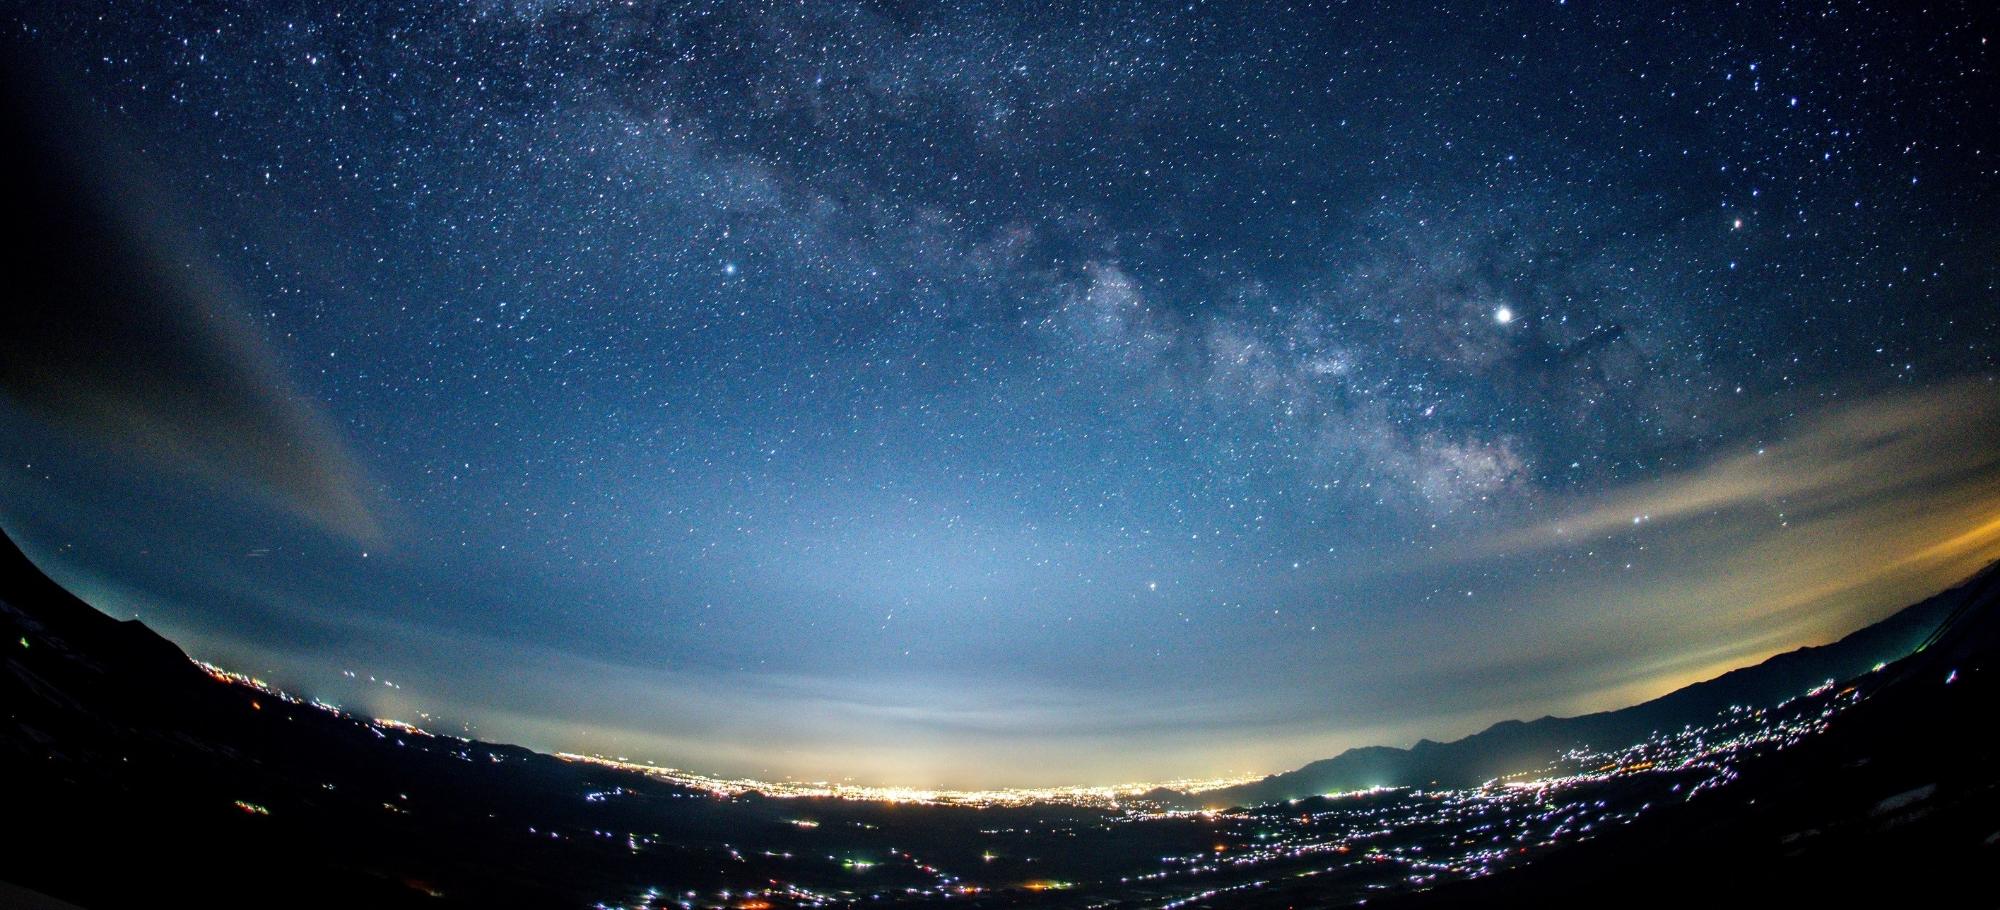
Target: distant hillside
(1515,746)
(1894,805)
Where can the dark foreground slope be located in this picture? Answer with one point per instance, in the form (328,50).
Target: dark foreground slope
(130,774)
(1897,804)
(1513,747)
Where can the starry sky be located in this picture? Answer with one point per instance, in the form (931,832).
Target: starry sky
(998,393)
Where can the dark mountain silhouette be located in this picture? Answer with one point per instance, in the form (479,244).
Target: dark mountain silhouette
(1896,804)
(1514,746)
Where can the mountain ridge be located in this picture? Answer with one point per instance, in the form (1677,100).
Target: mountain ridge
(1517,746)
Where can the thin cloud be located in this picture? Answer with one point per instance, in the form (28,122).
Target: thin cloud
(117,336)
(1839,458)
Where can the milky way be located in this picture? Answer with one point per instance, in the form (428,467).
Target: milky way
(984,393)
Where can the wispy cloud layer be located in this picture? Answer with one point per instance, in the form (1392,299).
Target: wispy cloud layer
(117,332)
(1851,453)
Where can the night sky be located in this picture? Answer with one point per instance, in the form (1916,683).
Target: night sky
(982,394)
